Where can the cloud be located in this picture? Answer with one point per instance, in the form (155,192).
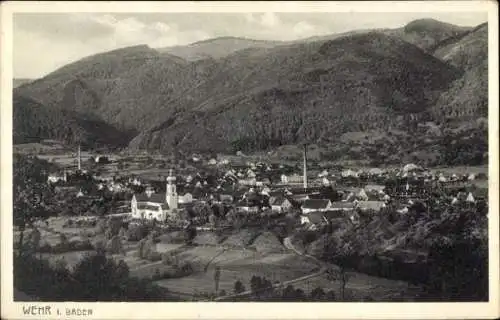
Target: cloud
(268,19)
(303,28)
(60,38)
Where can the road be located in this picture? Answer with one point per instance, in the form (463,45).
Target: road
(288,244)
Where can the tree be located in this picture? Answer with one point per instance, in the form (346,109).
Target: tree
(115,246)
(213,220)
(30,192)
(318,294)
(239,287)
(340,275)
(100,278)
(217,273)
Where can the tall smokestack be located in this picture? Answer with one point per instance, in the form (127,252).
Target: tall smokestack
(305,166)
(79,159)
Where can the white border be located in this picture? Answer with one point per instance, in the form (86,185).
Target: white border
(183,310)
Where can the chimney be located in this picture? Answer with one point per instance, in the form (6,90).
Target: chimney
(79,159)
(305,166)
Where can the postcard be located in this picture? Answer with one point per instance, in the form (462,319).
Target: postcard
(249,160)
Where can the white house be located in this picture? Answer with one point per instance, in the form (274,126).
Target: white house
(251,173)
(280,204)
(185,198)
(247,206)
(248,182)
(323,173)
(54,178)
(349,173)
(470,198)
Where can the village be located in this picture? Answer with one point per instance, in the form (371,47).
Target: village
(179,225)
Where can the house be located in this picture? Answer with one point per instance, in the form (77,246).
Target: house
(225,198)
(349,173)
(265,191)
(185,198)
(325,181)
(342,206)
(280,204)
(375,172)
(323,173)
(312,205)
(212,162)
(248,182)
(284,179)
(355,194)
(54,178)
(371,205)
(294,178)
(247,206)
(318,218)
(79,194)
(470,198)
(375,188)
(251,173)
(158,206)
(412,167)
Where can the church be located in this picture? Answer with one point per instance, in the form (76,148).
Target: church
(159,206)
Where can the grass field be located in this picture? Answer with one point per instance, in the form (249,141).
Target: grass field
(236,265)
(361,285)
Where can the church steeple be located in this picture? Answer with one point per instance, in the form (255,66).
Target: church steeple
(171,196)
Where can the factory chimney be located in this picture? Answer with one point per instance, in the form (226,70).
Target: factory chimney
(305,166)
(79,159)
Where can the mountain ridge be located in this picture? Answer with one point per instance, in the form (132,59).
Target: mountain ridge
(262,97)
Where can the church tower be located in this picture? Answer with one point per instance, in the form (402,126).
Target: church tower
(171,194)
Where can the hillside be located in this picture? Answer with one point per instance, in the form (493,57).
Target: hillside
(33,122)
(216,48)
(370,80)
(467,97)
(253,96)
(123,87)
(428,33)
(16,82)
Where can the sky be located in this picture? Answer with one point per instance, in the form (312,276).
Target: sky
(43,42)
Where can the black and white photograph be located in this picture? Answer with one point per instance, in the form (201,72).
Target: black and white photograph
(255,156)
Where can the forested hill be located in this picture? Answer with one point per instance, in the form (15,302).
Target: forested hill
(258,96)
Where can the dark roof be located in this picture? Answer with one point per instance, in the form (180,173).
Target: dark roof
(155,197)
(374,205)
(319,217)
(315,203)
(276,193)
(304,191)
(149,207)
(277,201)
(343,205)
(246,204)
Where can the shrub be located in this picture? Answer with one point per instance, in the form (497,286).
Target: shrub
(137,232)
(239,287)
(154,256)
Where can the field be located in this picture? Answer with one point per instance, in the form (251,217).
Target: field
(361,285)
(236,265)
